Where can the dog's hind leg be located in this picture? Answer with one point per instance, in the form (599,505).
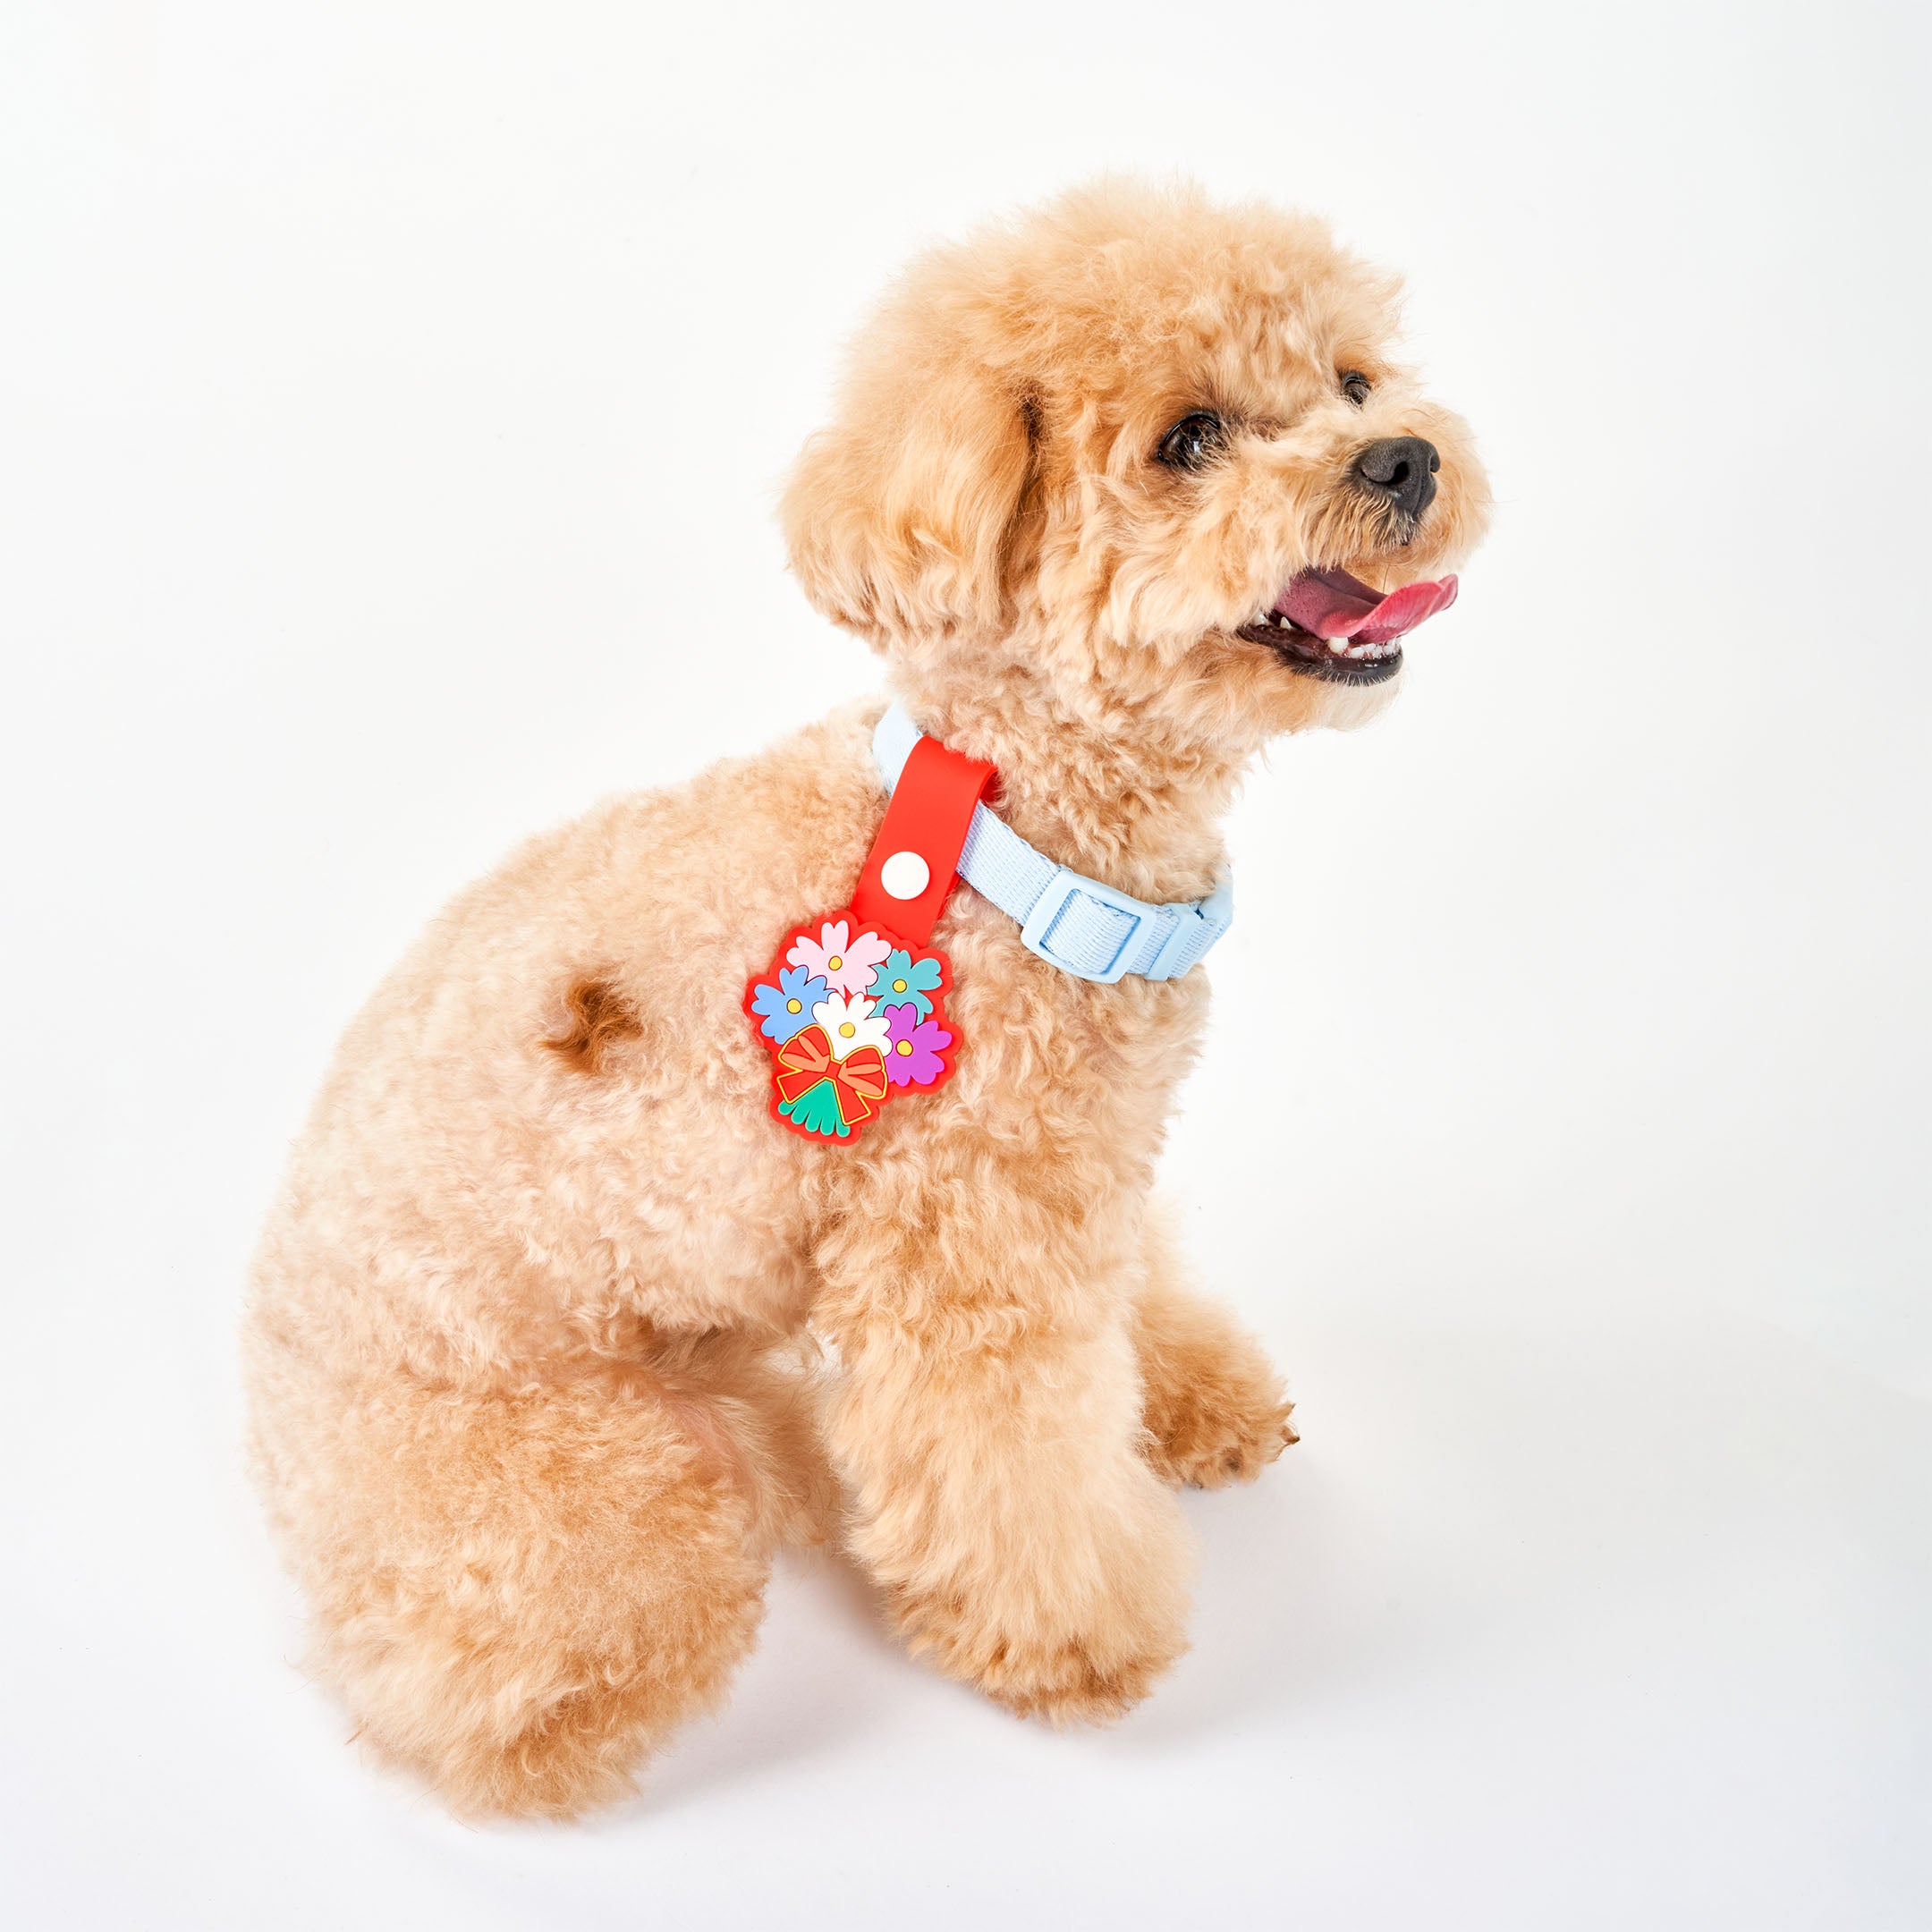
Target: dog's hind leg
(519,1595)
(1212,1402)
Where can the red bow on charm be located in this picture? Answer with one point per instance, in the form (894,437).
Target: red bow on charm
(858,1080)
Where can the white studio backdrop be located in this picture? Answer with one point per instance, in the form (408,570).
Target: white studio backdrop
(392,400)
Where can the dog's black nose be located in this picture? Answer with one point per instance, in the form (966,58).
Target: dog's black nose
(1403,470)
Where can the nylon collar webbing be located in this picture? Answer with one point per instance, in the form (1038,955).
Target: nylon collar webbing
(1072,922)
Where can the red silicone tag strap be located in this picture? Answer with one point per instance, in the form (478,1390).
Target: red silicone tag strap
(931,808)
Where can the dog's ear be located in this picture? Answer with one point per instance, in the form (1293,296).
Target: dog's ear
(900,517)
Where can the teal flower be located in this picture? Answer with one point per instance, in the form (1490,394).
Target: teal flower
(817,1111)
(901,981)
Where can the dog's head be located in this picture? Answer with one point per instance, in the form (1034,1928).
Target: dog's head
(1155,452)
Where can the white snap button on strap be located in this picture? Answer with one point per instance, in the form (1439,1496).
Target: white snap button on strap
(905,875)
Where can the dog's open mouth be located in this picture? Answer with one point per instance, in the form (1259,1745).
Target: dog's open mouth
(1328,624)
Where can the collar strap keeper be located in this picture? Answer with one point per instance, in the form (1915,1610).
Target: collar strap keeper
(1073,923)
(917,853)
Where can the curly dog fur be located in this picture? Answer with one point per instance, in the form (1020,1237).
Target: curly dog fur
(527,1335)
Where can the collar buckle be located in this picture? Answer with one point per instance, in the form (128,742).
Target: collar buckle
(1084,927)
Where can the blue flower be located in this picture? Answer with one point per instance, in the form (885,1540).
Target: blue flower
(786,1008)
(900,982)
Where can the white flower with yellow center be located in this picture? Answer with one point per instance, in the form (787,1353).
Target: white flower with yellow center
(849,1023)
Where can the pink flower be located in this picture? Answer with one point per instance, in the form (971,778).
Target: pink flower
(842,961)
(913,1047)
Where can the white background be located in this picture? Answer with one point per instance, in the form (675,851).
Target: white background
(392,404)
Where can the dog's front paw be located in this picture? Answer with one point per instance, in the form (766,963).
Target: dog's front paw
(1093,1676)
(1216,1415)
(1054,1643)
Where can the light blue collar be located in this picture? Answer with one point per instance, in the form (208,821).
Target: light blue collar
(1077,924)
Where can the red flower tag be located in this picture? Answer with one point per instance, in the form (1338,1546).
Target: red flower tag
(852,1010)
(853,1019)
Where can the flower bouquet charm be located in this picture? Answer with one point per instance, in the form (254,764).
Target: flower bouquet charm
(852,1010)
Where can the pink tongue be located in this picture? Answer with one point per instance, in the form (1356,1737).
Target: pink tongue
(1331,603)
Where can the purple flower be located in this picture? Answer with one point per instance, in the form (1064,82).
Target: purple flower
(913,1047)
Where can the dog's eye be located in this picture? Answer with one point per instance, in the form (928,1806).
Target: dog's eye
(1356,386)
(1193,441)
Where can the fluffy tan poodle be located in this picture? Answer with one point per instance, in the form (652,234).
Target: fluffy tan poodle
(555,1334)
